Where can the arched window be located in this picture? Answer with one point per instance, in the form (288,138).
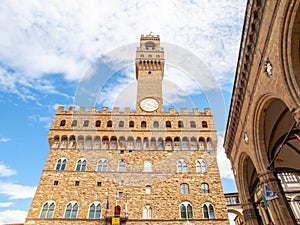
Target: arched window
(177,143)
(86,123)
(153,144)
(180,124)
(208,211)
(211,212)
(201,166)
(147,212)
(204,188)
(72,142)
(64,142)
(74,123)
(204,124)
(109,123)
(88,142)
(95,210)
(81,165)
(121,123)
(122,166)
(205,212)
(48,209)
(130,143)
(96,144)
(168,143)
(102,165)
(209,144)
(61,164)
(62,123)
(185,143)
(184,188)
(105,142)
(168,124)
(192,124)
(182,166)
(143,124)
(155,124)
(193,143)
(98,123)
(80,142)
(146,144)
(148,189)
(113,142)
(71,210)
(148,166)
(160,144)
(138,143)
(122,142)
(131,124)
(186,210)
(202,143)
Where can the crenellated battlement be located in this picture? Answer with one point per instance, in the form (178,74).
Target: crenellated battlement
(127,110)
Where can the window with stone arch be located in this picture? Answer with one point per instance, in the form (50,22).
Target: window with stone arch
(204,188)
(62,123)
(61,164)
(147,212)
(48,209)
(186,210)
(209,143)
(81,165)
(192,124)
(148,189)
(122,166)
(102,165)
(208,210)
(131,124)
(74,123)
(71,210)
(143,124)
(204,124)
(184,188)
(98,123)
(95,210)
(182,166)
(156,124)
(109,123)
(121,123)
(168,124)
(86,123)
(201,166)
(180,124)
(147,166)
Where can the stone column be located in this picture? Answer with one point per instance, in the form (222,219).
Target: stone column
(279,207)
(250,217)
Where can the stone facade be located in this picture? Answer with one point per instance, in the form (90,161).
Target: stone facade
(263,125)
(159,167)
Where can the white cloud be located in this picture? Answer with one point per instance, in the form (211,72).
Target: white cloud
(223,161)
(5,171)
(4,139)
(12,216)
(5,204)
(53,37)
(16,191)
(46,120)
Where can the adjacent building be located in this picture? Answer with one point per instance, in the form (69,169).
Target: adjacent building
(262,136)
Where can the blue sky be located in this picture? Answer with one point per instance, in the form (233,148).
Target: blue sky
(48,48)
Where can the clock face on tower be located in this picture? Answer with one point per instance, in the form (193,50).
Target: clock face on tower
(149,104)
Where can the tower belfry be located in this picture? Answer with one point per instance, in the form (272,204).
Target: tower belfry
(149,74)
(131,167)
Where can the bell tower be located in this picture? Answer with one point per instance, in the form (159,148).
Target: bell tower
(149,64)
